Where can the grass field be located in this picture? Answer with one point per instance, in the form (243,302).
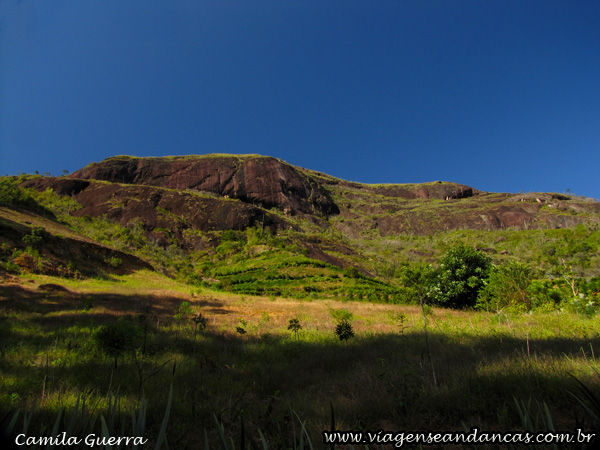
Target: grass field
(246,363)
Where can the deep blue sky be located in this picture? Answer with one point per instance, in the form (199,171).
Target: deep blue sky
(500,95)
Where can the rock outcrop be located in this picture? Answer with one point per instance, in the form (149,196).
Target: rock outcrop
(166,213)
(170,195)
(253,179)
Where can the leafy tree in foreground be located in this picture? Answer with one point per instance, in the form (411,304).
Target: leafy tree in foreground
(460,276)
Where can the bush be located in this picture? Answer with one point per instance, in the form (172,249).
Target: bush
(10,192)
(344,330)
(352,272)
(117,338)
(507,286)
(341,314)
(547,295)
(35,238)
(229,247)
(459,277)
(114,262)
(582,305)
(183,312)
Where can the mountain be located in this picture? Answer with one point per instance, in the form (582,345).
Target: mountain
(197,192)
(187,205)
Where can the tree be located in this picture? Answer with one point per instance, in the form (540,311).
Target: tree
(117,338)
(10,192)
(418,278)
(344,330)
(460,276)
(294,326)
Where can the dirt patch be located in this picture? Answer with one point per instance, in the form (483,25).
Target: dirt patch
(51,287)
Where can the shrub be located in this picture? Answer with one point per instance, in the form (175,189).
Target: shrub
(117,338)
(183,311)
(460,276)
(11,193)
(114,262)
(255,236)
(229,247)
(344,330)
(547,294)
(35,238)
(200,322)
(352,272)
(341,314)
(582,305)
(88,304)
(507,286)
(401,318)
(241,329)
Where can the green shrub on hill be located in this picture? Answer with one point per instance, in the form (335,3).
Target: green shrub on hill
(507,286)
(35,237)
(460,276)
(11,194)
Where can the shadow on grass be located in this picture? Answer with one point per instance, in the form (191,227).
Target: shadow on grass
(21,299)
(380,381)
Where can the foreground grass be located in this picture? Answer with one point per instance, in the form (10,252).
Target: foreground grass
(380,379)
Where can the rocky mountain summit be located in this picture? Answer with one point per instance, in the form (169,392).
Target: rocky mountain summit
(254,179)
(219,192)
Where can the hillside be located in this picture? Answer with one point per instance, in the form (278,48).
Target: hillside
(352,207)
(255,224)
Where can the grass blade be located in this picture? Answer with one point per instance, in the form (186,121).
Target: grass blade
(163,427)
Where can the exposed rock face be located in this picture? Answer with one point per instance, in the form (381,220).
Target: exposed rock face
(218,192)
(437,190)
(483,211)
(259,180)
(166,213)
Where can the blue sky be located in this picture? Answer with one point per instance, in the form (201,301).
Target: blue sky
(500,95)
